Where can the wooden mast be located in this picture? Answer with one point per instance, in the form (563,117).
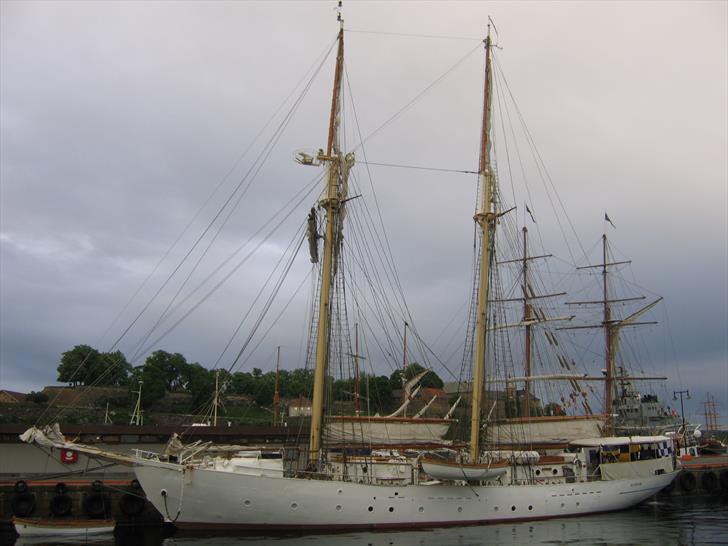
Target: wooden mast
(612,328)
(331,203)
(485,217)
(216,398)
(609,348)
(527,322)
(404,367)
(276,394)
(357,387)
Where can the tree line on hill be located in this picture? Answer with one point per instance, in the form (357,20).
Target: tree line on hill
(163,372)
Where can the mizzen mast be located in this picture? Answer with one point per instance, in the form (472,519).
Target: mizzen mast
(485,218)
(612,328)
(527,316)
(338,166)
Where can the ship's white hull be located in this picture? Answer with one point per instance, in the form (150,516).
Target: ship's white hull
(202,498)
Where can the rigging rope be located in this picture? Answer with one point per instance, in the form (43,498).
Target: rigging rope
(418,167)
(408,35)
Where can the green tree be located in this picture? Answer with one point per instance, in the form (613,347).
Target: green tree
(300,383)
(37,397)
(242,383)
(118,369)
(153,383)
(76,365)
(379,391)
(84,365)
(200,384)
(173,367)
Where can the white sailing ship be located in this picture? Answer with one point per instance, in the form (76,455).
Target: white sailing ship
(595,475)
(345,490)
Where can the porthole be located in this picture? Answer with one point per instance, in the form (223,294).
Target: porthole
(421,509)
(294,505)
(391,508)
(460,508)
(538,472)
(338,508)
(371,508)
(247,502)
(339,491)
(495,508)
(578,503)
(562,505)
(513,508)
(530,507)
(554,471)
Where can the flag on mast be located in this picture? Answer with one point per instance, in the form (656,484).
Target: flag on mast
(530,214)
(606,219)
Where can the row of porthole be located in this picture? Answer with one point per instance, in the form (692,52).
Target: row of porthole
(513,508)
(421,509)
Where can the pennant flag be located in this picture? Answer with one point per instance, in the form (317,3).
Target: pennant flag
(606,219)
(530,214)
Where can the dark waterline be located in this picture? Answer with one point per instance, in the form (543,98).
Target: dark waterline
(667,521)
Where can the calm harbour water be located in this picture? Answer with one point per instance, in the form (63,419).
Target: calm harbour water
(678,521)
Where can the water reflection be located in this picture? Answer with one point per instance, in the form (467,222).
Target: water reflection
(656,523)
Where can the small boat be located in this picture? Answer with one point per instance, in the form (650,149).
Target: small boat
(443,469)
(40,527)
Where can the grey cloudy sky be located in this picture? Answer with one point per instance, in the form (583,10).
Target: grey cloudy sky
(118,119)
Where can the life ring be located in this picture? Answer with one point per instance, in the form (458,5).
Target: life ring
(724,480)
(23,504)
(61,505)
(709,481)
(131,504)
(21,486)
(687,481)
(96,505)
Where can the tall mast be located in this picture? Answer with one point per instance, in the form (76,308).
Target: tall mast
(137,417)
(276,396)
(338,168)
(612,328)
(608,345)
(485,217)
(404,366)
(527,322)
(532,316)
(357,387)
(216,399)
